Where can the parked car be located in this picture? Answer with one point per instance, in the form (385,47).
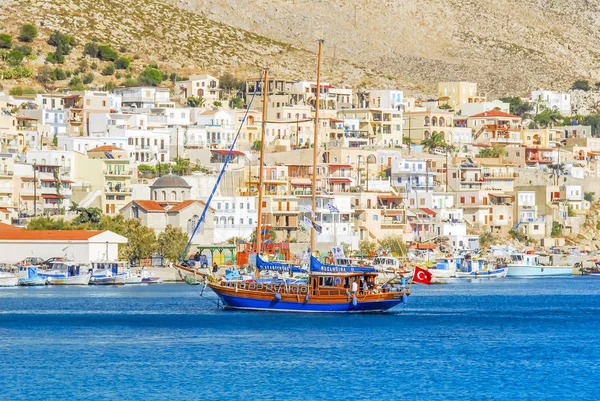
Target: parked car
(49,261)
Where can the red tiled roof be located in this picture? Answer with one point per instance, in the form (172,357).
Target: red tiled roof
(495,113)
(340,180)
(48,180)
(182,205)
(104,148)
(4,210)
(8,232)
(149,205)
(49,196)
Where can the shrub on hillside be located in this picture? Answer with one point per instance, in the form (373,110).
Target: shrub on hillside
(91,49)
(581,84)
(122,63)
(14,58)
(28,33)
(19,91)
(108,70)
(26,50)
(88,78)
(106,53)
(6,41)
(150,76)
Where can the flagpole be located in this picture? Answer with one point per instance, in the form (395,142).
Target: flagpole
(335,229)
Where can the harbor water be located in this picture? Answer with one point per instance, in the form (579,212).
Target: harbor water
(481,340)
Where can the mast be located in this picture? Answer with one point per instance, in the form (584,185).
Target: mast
(315,146)
(261,165)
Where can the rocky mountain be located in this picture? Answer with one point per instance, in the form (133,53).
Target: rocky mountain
(509,46)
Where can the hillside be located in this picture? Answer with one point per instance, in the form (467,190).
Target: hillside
(177,40)
(509,46)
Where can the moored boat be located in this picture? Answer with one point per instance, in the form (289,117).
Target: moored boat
(329,288)
(528,265)
(474,267)
(8,279)
(66,273)
(29,277)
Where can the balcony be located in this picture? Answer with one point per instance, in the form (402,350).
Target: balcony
(506,140)
(117,173)
(120,190)
(491,176)
(6,173)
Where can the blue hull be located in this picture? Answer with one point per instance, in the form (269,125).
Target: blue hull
(234,302)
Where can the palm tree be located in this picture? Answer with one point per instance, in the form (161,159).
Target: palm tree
(434,141)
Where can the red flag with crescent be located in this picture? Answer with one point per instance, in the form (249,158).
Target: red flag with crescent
(421,276)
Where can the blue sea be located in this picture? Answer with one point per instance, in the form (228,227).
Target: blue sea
(507,339)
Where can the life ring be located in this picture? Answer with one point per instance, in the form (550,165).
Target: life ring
(294,289)
(303,290)
(327,260)
(337,281)
(268,287)
(203,265)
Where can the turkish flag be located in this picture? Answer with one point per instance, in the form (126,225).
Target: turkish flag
(421,276)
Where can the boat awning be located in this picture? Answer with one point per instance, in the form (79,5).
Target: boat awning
(340,180)
(48,180)
(225,151)
(49,196)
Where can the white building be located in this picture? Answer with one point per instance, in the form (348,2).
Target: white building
(413,174)
(145,146)
(81,246)
(204,85)
(143,97)
(553,100)
(235,216)
(386,99)
(83,143)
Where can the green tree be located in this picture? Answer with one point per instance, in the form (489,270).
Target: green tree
(28,33)
(19,91)
(229,82)
(256,145)
(581,84)
(62,42)
(75,84)
(150,76)
(570,211)
(195,101)
(107,53)
(6,41)
(394,244)
(122,63)
(548,117)
(556,229)
(108,70)
(434,141)
(55,140)
(45,75)
(486,239)
(236,103)
(517,106)
(589,196)
(171,242)
(88,78)
(495,151)
(14,58)
(59,74)
(55,58)
(181,166)
(367,247)
(47,223)
(141,240)
(85,215)
(217,103)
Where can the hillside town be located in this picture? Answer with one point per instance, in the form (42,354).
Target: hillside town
(456,172)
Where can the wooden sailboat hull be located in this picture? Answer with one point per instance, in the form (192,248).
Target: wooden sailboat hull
(249,300)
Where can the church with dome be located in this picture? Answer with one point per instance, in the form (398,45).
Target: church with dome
(170,203)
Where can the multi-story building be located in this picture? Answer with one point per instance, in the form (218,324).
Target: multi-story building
(455,94)
(413,174)
(381,215)
(7,180)
(495,127)
(380,126)
(107,170)
(145,146)
(419,125)
(552,100)
(81,105)
(204,85)
(144,97)
(234,216)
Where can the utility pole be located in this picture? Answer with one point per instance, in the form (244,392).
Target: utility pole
(447,168)
(427,175)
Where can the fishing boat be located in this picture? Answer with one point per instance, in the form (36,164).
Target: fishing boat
(8,279)
(329,288)
(390,268)
(66,273)
(476,267)
(28,277)
(150,278)
(444,269)
(529,265)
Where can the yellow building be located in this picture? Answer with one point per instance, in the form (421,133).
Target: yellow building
(107,172)
(455,94)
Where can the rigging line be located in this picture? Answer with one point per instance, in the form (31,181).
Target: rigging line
(207,204)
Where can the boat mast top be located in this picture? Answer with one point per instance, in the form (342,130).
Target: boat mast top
(261,164)
(315,151)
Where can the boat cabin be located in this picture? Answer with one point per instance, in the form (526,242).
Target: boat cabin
(526,259)
(341,283)
(71,269)
(112,267)
(350,262)
(386,262)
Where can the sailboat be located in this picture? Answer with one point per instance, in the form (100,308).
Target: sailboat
(329,288)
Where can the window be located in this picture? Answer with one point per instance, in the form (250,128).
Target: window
(472,199)
(536,227)
(375,217)
(501,217)
(250,221)
(462,199)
